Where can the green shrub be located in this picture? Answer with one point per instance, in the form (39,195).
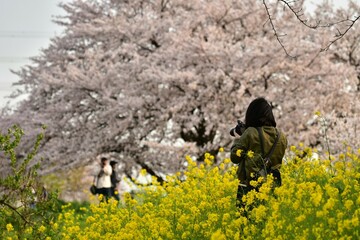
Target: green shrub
(25,205)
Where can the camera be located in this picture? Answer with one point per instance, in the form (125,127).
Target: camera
(239,129)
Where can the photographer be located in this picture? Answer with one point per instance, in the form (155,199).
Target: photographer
(259,146)
(103,179)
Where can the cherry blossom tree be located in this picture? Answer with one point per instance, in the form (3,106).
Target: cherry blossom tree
(150,81)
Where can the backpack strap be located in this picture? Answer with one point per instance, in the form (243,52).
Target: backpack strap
(268,155)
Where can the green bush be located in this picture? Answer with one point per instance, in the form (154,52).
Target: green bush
(25,205)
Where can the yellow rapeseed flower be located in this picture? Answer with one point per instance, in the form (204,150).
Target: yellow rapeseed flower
(331,221)
(226,217)
(194,210)
(208,161)
(348,204)
(200,202)
(221,149)
(28,230)
(55,226)
(213,217)
(254,183)
(293,148)
(260,213)
(250,154)
(143,172)
(300,218)
(222,166)
(9,227)
(355,221)
(185,235)
(196,227)
(227,160)
(238,152)
(331,191)
(329,204)
(275,206)
(42,228)
(179,227)
(218,235)
(320,214)
(316,198)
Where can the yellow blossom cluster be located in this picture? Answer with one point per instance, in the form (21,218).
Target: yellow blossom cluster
(318,199)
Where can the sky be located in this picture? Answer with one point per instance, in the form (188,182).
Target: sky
(26,27)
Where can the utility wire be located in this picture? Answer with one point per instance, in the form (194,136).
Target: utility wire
(14,59)
(26,34)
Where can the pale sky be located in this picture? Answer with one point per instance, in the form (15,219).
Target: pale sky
(26,27)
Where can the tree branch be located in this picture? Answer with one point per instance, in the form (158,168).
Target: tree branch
(298,14)
(274,29)
(14,209)
(341,34)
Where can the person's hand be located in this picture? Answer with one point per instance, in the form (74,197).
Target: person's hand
(236,136)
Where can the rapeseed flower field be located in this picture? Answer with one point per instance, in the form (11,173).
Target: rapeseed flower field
(319,199)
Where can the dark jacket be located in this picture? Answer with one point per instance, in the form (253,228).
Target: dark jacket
(250,140)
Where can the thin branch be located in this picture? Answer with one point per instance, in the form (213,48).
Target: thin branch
(223,16)
(274,29)
(298,15)
(313,59)
(341,34)
(14,209)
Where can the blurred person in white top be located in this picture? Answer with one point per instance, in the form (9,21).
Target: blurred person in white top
(103,179)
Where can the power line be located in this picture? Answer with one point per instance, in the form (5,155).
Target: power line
(26,34)
(14,59)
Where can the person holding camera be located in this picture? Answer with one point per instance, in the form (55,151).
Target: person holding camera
(259,146)
(104,180)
